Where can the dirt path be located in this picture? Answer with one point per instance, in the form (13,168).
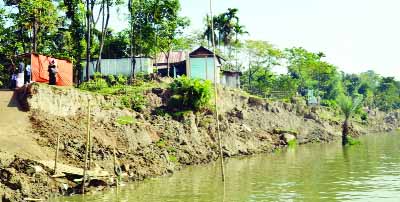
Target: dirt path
(15,130)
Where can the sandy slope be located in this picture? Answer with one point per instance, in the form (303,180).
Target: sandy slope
(16,137)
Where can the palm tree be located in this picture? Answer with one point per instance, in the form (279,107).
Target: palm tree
(226,28)
(347,106)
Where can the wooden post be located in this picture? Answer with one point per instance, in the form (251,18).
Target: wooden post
(56,157)
(115,167)
(87,148)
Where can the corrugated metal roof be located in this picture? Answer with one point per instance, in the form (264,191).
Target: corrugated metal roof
(174,57)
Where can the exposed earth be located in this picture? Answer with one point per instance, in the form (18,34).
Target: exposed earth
(153,142)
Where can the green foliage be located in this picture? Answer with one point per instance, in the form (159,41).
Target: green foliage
(351,141)
(190,94)
(154,25)
(135,101)
(226,26)
(161,143)
(329,103)
(292,143)
(125,120)
(173,158)
(364,117)
(96,84)
(348,105)
(171,149)
(122,80)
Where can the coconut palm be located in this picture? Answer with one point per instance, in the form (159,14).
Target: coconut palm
(347,106)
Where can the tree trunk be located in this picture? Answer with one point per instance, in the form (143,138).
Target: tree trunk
(345,131)
(34,33)
(104,26)
(131,34)
(88,47)
(167,55)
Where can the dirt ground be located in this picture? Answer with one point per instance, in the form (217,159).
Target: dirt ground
(16,135)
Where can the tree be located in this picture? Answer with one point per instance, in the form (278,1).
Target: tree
(347,106)
(388,94)
(262,57)
(38,17)
(227,28)
(116,45)
(155,26)
(172,26)
(75,13)
(105,13)
(313,73)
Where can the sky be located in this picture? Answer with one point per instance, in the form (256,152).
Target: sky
(355,35)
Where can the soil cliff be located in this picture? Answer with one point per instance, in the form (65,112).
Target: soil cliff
(153,142)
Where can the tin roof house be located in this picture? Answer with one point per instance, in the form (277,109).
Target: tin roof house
(177,64)
(197,64)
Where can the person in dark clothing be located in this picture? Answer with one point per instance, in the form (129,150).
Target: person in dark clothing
(52,72)
(13,83)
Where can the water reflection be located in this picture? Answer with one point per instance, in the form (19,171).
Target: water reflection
(320,172)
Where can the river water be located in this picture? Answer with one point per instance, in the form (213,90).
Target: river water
(315,172)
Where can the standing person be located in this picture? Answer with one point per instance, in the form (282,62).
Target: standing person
(13,80)
(52,72)
(28,74)
(20,77)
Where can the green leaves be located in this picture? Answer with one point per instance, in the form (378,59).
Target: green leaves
(348,105)
(193,94)
(227,28)
(125,120)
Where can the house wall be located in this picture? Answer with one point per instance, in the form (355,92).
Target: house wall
(121,66)
(232,81)
(203,68)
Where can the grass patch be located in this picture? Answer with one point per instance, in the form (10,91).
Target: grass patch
(125,120)
(171,149)
(173,158)
(161,143)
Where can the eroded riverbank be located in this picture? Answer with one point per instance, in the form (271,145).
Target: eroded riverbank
(155,143)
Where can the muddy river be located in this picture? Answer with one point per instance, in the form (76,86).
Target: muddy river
(316,172)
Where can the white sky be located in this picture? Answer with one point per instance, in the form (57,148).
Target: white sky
(356,35)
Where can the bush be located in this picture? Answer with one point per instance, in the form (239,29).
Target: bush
(135,101)
(329,103)
(122,80)
(96,84)
(192,94)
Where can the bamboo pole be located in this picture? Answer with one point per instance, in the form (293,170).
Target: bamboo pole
(56,157)
(221,155)
(87,148)
(115,168)
(90,151)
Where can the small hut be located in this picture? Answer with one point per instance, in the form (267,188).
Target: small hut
(201,64)
(177,64)
(231,78)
